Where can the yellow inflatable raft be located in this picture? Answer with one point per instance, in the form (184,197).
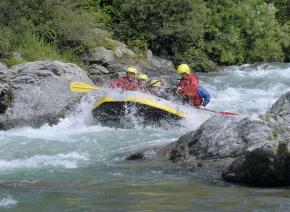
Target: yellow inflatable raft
(147,109)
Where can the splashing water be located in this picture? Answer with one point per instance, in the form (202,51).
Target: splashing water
(78,165)
(246,89)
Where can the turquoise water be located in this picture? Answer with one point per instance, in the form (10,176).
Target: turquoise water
(79,166)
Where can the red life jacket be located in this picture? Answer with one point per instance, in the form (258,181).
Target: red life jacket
(188,88)
(125,84)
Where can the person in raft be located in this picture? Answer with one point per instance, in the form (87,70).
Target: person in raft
(154,87)
(188,88)
(142,81)
(128,82)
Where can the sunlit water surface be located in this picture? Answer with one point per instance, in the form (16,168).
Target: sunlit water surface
(77,165)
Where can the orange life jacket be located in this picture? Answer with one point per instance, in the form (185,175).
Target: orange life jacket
(125,84)
(188,88)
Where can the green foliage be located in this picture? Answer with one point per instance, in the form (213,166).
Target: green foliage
(245,32)
(66,27)
(5,42)
(168,28)
(15,60)
(202,33)
(283,10)
(32,48)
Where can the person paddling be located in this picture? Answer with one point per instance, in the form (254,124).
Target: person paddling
(127,82)
(188,88)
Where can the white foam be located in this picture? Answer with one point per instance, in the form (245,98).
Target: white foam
(7,202)
(78,123)
(247,89)
(69,161)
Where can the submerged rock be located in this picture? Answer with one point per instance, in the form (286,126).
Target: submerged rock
(38,93)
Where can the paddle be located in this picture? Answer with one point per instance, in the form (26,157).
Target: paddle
(223,113)
(81,87)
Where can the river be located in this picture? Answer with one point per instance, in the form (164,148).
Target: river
(77,166)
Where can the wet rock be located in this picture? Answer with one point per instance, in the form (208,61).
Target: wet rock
(6,97)
(264,166)
(267,164)
(280,110)
(136,156)
(38,93)
(253,151)
(220,137)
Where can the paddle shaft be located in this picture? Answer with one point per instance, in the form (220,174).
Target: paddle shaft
(224,113)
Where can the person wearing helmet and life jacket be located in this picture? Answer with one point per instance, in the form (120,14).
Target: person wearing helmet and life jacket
(188,86)
(142,81)
(127,82)
(154,87)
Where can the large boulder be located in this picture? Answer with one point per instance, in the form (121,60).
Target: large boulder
(220,137)
(100,55)
(268,163)
(253,151)
(39,92)
(159,65)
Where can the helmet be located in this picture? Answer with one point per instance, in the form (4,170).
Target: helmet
(183,68)
(132,70)
(155,83)
(143,77)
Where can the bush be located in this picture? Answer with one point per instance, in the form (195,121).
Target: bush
(167,27)
(6,36)
(244,32)
(32,48)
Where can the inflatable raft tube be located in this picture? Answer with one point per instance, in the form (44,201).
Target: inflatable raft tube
(113,112)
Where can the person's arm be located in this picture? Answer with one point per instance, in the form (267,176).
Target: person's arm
(179,88)
(204,95)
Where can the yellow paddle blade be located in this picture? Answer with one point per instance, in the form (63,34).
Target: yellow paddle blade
(81,87)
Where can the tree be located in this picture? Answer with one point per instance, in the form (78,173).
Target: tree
(169,27)
(244,32)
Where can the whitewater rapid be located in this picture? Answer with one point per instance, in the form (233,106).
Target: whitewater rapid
(76,149)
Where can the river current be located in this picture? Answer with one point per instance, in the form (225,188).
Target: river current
(79,166)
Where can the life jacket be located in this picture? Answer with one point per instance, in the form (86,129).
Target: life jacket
(204,95)
(125,84)
(189,88)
